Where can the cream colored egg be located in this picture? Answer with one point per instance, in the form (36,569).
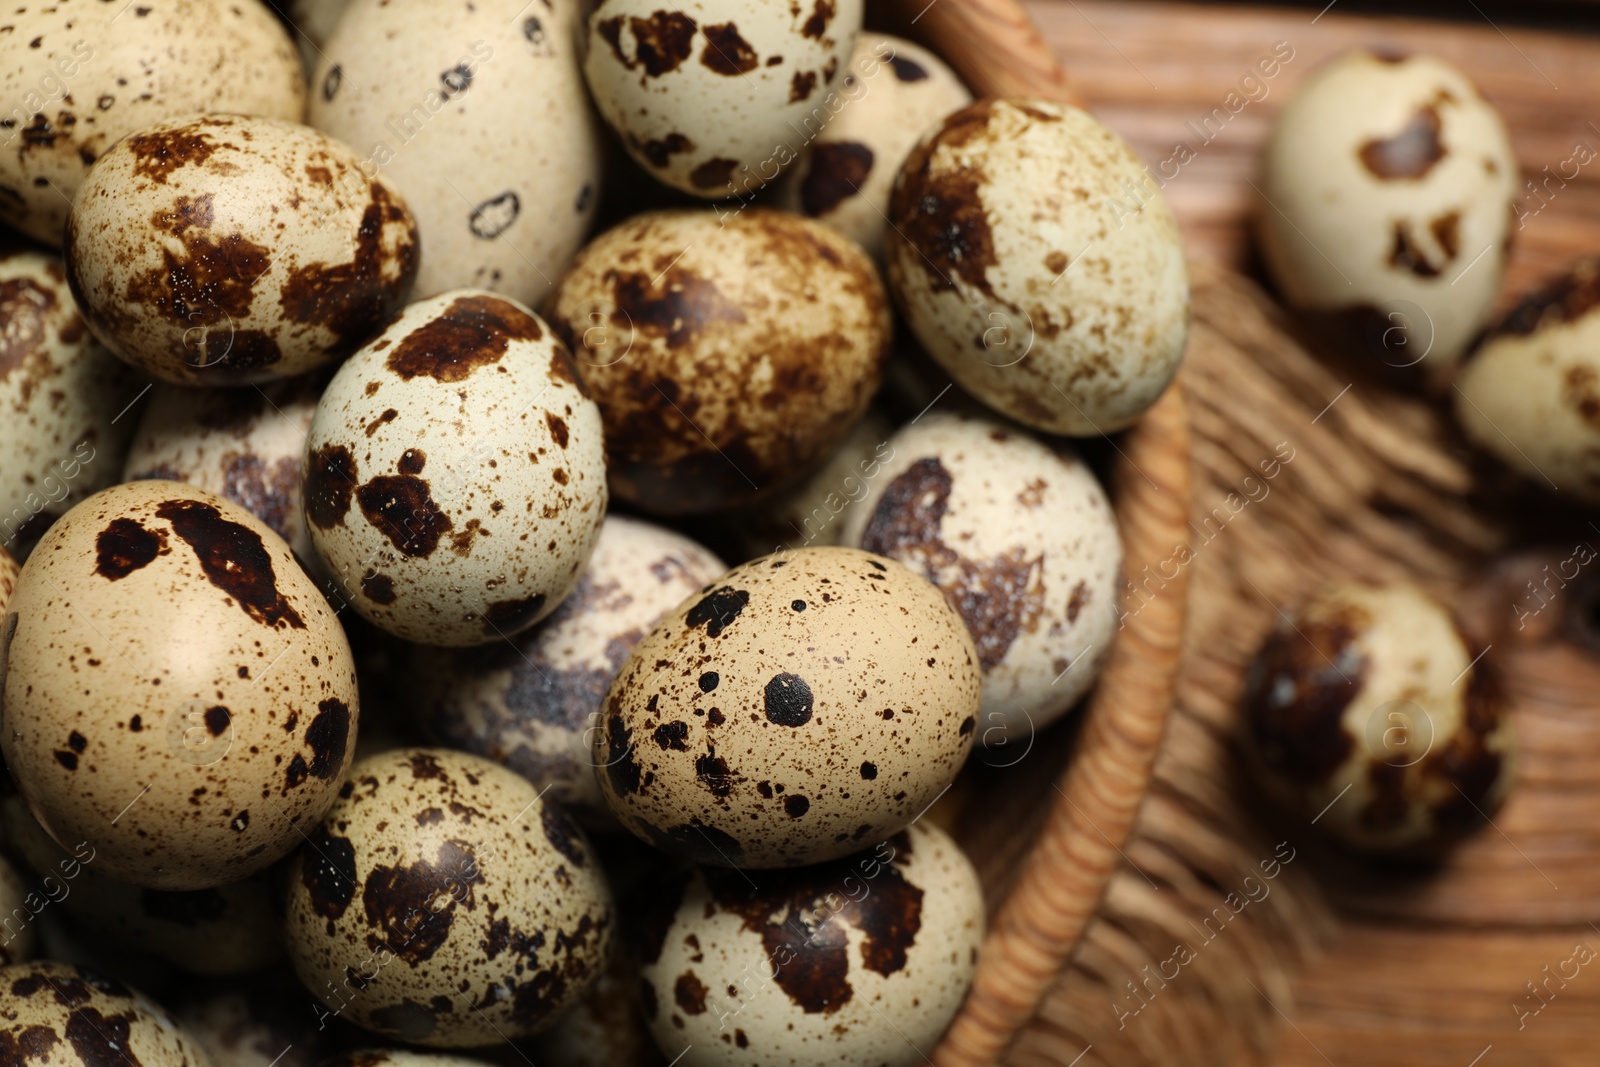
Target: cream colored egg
(1022,541)
(1386,199)
(177,693)
(223,250)
(1529,392)
(862,960)
(1038,263)
(478,115)
(64,1016)
(80,75)
(18,938)
(456,478)
(727,355)
(532,703)
(894,92)
(716,97)
(1371,708)
(802,705)
(65,412)
(443,902)
(247,445)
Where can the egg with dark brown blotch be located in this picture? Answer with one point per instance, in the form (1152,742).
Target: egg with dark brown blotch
(801,705)
(862,960)
(445,903)
(67,406)
(728,355)
(247,445)
(78,76)
(225,250)
(455,480)
(1369,710)
(532,703)
(177,692)
(66,1016)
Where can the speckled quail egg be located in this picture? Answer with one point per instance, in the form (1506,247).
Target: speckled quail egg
(63,401)
(18,941)
(1038,263)
(263,1021)
(1385,201)
(716,97)
(247,445)
(1022,541)
(893,93)
(177,692)
(57,1014)
(1529,393)
(727,355)
(1371,708)
(862,960)
(443,902)
(803,704)
(224,250)
(79,75)
(478,114)
(531,703)
(473,457)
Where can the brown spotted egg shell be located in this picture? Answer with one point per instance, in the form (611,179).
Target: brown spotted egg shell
(64,401)
(1371,708)
(801,705)
(79,75)
(715,97)
(65,1016)
(1025,271)
(727,355)
(531,703)
(177,692)
(456,475)
(863,960)
(443,902)
(225,250)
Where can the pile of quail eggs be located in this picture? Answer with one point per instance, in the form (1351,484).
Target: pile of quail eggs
(373,374)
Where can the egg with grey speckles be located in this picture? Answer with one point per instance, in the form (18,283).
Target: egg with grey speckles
(225,250)
(444,902)
(862,960)
(531,703)
(1021,539)
(455,483)
(1370,709)
(65,401)
(79,75)
(65,1016)
(1037,261)
(801,705)
(177,692)
(716,97)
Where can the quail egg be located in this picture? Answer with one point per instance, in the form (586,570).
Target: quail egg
(800,706)
(473,455)
(727,356)
(1529,393)
(57,1014)
(1386,201)
(478,115)
(716,97)
(177,693)
(225,250)
(1038,263)
(64,401)
(1371,708)
(893,93)
(1022,541)
(531,703)
(862,960)
(443,902)
(80,76)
